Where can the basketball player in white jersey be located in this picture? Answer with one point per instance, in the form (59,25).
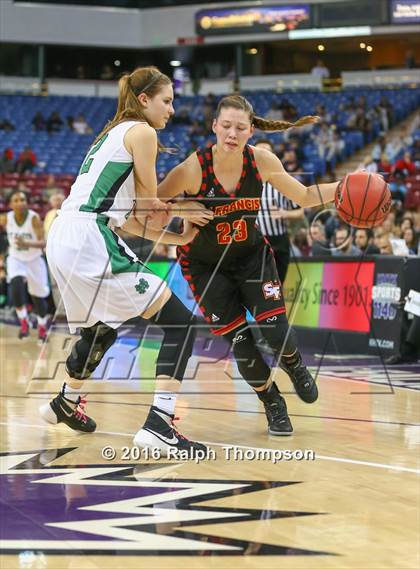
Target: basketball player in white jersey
(26,267)
(102,282)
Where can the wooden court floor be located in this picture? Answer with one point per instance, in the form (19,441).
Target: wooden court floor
(344,494)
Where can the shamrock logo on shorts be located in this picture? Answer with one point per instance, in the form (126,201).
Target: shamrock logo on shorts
(142,286)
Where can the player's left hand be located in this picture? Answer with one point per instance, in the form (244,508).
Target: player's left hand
(278,213)
(21,242)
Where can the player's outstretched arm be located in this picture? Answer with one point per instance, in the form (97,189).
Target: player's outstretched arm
(272,170)
(142,229)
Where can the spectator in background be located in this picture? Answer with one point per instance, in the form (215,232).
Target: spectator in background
(80,72)
(393,148)
(343,244)
(411,240)
(317,241)
(291,164)
(363,240)
(7,163)
(6,125)
(300,244)
(107,73)
(379,148)
(401,170)
(26,161)
(54,122)
(80,125)
(407,221)
(39,122)
(50,187)
(69,122)
(405,165)
(320,70)
(324,116)
(275,113)
(56,201)
(369,165)
(384,245)
(385,104)
(332,224)
(384,167)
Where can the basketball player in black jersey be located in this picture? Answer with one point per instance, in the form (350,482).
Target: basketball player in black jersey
(229,266)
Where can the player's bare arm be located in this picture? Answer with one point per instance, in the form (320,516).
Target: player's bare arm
(39,242)
(272,170)
(185,179)
(141,229)
(141,143)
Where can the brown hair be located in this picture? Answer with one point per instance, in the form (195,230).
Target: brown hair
(239,102)
(148,80)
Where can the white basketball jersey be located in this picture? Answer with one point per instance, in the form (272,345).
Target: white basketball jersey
(105,183)
(26,231)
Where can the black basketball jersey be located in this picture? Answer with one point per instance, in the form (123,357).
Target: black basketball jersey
(233,232)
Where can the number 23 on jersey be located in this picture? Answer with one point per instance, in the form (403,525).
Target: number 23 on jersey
(236,231)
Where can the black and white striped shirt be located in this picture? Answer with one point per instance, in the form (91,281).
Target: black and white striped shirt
(270,199)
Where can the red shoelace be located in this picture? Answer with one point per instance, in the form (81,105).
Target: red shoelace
(79,411)
(176,431)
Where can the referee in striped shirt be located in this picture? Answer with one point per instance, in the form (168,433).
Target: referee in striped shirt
(275,210)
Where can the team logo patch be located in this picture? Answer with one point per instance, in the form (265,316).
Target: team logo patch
(271,290)
(142,286)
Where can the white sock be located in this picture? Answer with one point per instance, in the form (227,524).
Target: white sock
(42,320)
(165,400)
(71,393)
(22,313)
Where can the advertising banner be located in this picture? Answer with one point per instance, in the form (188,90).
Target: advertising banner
(330,295)
(252,19)
(387,306)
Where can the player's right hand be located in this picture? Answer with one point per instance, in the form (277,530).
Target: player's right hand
(193,211)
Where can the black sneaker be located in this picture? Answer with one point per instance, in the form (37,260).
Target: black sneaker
(159,432)
(63,410)
(303,381)
(276,412)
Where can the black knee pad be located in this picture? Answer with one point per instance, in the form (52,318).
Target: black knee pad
(18,294)
(279,335)
(88,352)
(179,331)
(250,362)
(40,306)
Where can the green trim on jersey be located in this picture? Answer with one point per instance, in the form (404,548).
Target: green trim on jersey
(107,185)
(121,261)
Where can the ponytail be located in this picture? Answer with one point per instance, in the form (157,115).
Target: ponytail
(239,102)
(148,80)
(269,125)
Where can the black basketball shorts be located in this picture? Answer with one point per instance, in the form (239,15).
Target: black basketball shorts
(225,292)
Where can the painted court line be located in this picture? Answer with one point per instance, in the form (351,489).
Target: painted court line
(317,456)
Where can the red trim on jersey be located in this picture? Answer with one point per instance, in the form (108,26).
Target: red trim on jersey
(254,164)
(229,327)
(269,313)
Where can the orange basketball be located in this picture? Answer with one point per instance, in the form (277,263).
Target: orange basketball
(363,199)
